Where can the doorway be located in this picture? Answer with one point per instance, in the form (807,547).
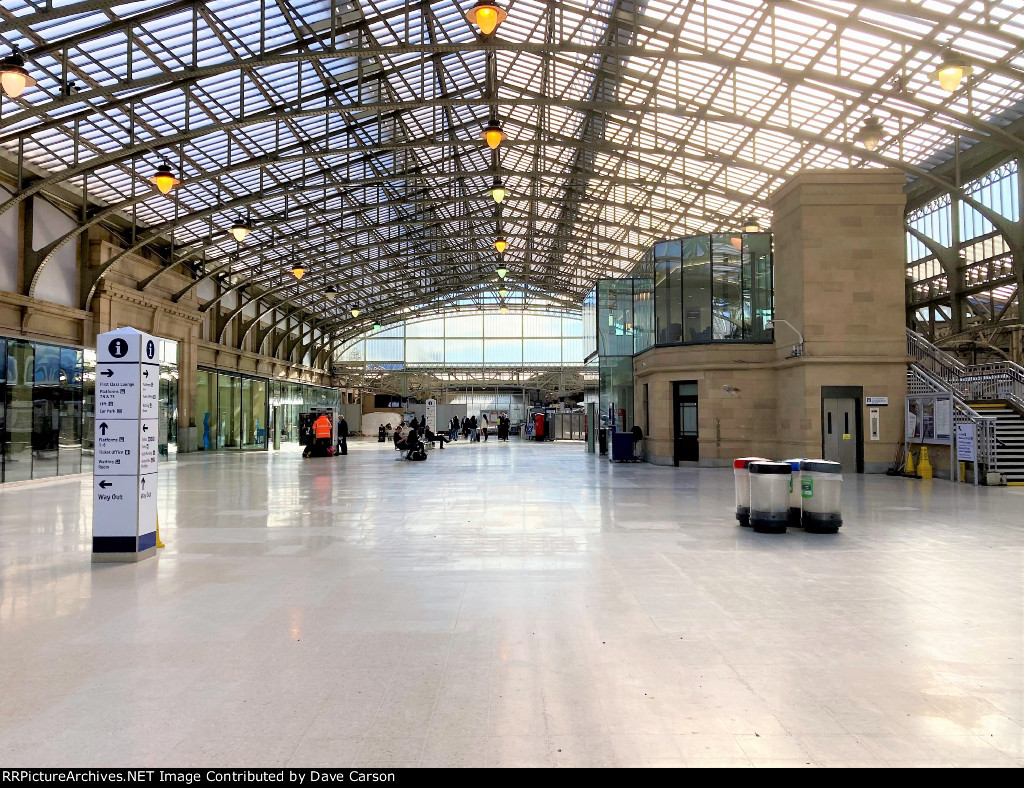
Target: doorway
(687,446)
(841,430)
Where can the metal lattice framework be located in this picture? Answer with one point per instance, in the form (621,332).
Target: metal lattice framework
(348,131)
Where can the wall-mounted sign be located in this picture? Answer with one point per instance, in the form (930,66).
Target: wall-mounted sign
(869,401)
(966,443)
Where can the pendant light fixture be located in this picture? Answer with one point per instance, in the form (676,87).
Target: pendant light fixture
(497,191)
(504,309)
(500,244)
(870,134)
(486,16)
(501,271)
(952,71)
(493,134)
(355,311)
(13,76)
(298,270)
(376,325)
(330,293)
(750,225)
(163,178)
(502,292)
(240,229)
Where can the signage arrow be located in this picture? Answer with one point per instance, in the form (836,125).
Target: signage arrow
(107,373)
(143,483)
(145,373)
(145,428)
(105,484)
(103,428)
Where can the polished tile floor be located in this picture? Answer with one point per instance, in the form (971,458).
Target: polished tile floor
(509,604)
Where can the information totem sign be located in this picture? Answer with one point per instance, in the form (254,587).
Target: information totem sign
(127,434)
(431,416)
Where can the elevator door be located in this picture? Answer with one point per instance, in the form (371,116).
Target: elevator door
(839,432)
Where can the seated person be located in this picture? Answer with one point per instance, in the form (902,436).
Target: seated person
(435,436)
(382,434)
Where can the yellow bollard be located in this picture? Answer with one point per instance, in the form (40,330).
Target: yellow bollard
(924,468)
(963,472)
(158,542)
(909,467)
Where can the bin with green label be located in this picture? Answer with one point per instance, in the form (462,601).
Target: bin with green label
(794,491)
(820,482)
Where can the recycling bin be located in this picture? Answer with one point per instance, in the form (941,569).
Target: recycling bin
(820,482)
(739,469)
(769,496)
(794,491)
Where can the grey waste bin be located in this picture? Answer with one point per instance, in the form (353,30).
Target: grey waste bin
(769,496)
(820,483)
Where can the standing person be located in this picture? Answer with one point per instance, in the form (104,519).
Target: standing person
(453,429)
(414,425)
(473,437)
(465,426)
(483,427)
(342,435)
(321,435)
(382,434)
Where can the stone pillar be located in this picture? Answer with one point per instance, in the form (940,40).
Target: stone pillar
(839,279)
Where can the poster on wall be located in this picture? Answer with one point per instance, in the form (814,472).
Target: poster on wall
(928,419)
(943,418)
(913,419)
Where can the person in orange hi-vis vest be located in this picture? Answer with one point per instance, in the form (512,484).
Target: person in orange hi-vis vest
(321,435)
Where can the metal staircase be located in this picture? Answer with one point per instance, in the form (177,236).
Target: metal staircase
(991,396)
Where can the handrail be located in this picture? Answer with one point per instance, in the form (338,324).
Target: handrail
(996,380)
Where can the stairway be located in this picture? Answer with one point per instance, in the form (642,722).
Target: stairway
(1010,430)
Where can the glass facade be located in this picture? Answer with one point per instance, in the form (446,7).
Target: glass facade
(235,411)
(42,410)
(474,339)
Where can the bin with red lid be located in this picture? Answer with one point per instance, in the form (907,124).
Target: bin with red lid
(740,471)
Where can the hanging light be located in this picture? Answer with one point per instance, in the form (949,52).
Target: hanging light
(504,309)
(298,270)
(376,325)
(750,225)
(501,244)
(355,311)
(501,271)
(486,16)
(13,76)
(330,293)
(240,229)
(493,134)
(502,292)
(163,178)
(952,71)
(497,191)
(870,133)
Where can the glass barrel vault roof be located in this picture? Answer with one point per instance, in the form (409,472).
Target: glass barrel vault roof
(348,132)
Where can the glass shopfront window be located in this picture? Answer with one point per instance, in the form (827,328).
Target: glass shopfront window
(238,411)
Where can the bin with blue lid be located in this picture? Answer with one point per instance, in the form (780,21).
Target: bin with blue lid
(769,496)
(794,490)
(820,483)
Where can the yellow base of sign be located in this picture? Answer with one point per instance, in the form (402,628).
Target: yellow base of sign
(158,542)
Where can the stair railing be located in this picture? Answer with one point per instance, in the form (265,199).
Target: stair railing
(985,427)
(998,380)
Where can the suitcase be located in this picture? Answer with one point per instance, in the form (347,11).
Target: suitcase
(622,447)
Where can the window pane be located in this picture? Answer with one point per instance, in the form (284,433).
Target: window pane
(464,351)
(503,351)
(697,288)
(503,325)
(20,372)
(384,349)
(542,351)
(45,412)
(69,457)
(667,284)
(727,286)
(426,328)
(541,325)
(424,351)
(464,326)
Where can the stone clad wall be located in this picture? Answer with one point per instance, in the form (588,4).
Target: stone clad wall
(839,279)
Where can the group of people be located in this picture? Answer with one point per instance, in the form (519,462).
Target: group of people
(320,439)
(475,431)
(412,440)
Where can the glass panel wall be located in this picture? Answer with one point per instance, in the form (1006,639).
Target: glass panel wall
(235,411)
(615,317)
(44,410)
(667,286)
(616,392)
